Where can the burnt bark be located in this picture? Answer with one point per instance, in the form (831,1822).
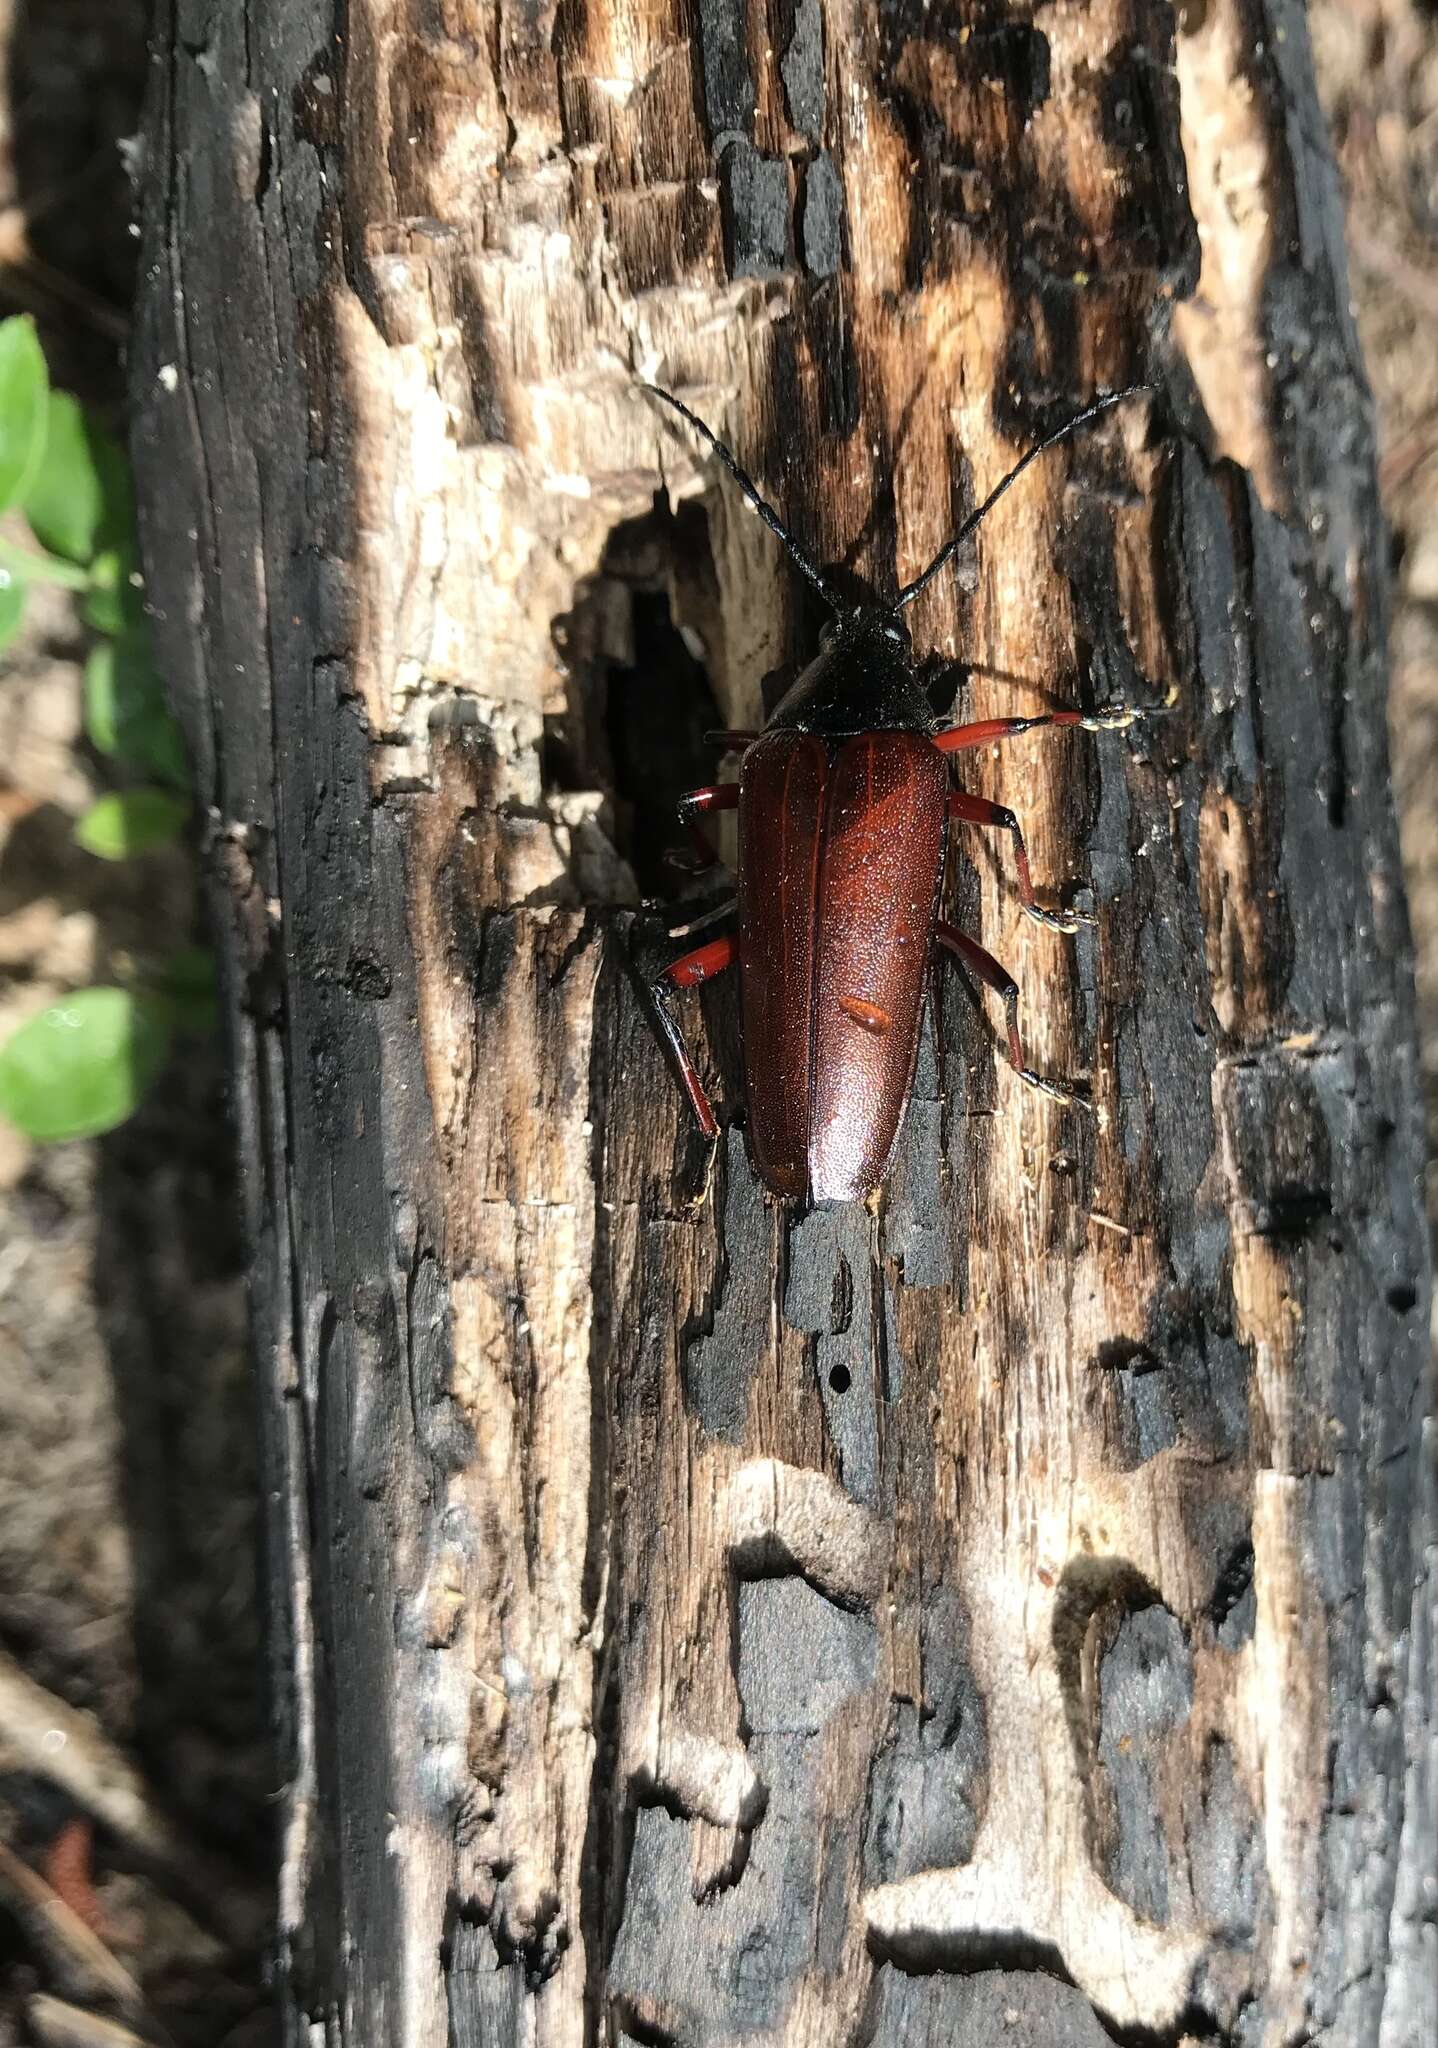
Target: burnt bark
(1004,1614)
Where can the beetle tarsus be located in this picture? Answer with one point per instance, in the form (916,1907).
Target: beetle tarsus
(699,1200)
(1069,922)
(1059,1091)
(704,918)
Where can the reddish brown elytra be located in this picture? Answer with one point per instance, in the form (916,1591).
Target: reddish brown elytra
(844,805)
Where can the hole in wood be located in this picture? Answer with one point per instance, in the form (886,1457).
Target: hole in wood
(639,700)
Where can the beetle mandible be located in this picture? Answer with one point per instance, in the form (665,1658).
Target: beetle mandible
(844,802)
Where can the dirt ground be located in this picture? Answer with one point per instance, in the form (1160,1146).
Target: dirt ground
(129,1642)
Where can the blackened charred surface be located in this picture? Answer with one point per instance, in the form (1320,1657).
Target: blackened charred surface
(929,1785)
(1013,58)
(1231,1609)
(336,1345)
(987,2008)
(487,1996)
(728,78)
(722,1354)
(1159,1082)
(1001,69)
(1144,1687)
(917,1224)
(779,1697)
(1138,116)
(1032,395)
(847,1333)
(315,104)
(724,1966)
(1213,536)
(1186,1381)
(1226,1848)
(831,342)
(364,1420)
(1143,1417)
(486,392)
(1280,1149)
(814,393)
(800,35)
(754,193)
(969,97)
(821,219)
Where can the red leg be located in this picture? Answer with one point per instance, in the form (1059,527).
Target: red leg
(723,796)
(960,738)
(978,810)
(687,972)
(992,975)
(702,964)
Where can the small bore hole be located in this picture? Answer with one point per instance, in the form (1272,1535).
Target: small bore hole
(840,1379)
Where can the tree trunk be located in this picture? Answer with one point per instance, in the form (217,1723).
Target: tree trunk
(1001,1615)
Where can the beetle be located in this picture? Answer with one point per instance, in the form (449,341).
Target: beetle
(844,801)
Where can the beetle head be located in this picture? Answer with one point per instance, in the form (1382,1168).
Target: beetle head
(862,679)
(868,622)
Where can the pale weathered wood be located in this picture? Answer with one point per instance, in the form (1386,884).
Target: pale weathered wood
(990,1618)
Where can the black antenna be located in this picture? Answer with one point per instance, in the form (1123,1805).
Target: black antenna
(946,553)
(750,489)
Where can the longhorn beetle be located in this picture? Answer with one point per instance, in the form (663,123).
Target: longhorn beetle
(844,802)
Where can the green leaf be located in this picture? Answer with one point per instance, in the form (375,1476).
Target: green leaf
(103,605)
(116,600)
(102,709)
(132,821)
(24,410)
(126,716)
(83,1065)
(117,495)
(65,501)
(12,603)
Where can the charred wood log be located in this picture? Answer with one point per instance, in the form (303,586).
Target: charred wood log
(1004,1607)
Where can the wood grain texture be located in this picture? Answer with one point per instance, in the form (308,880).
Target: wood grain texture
(1006,1615)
